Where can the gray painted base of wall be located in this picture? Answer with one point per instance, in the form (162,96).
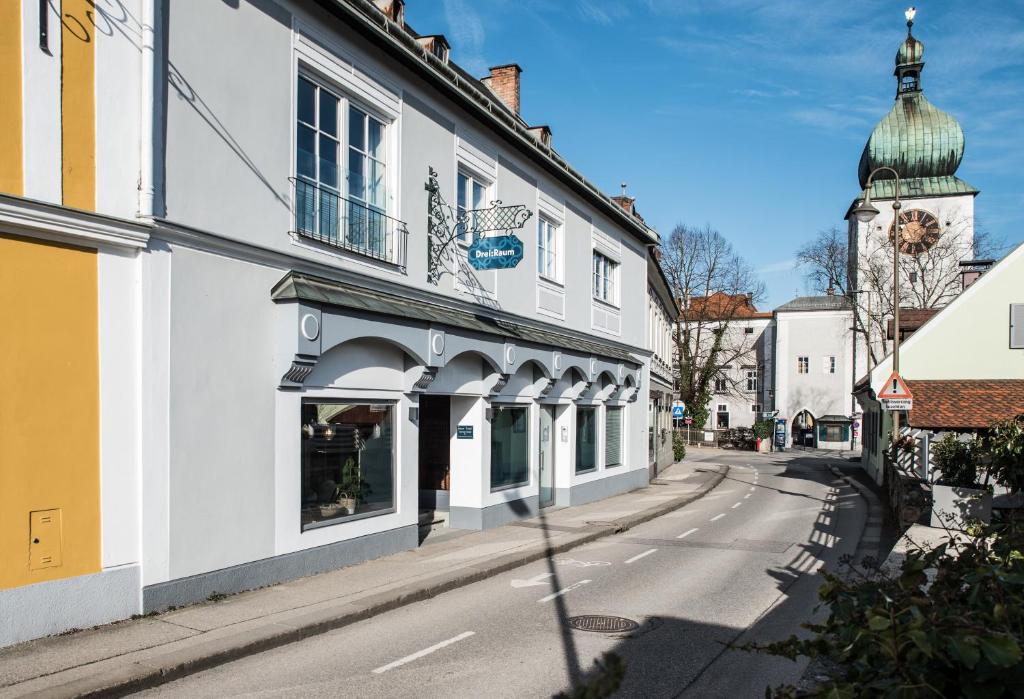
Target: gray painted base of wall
(81,602)
(493,516)
(603,488)
(269,571)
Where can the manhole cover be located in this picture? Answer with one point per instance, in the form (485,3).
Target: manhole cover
(602,624)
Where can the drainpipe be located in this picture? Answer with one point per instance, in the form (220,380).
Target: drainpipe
(147,109)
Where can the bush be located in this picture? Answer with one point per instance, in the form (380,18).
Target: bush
(958,462)
(1003,451)
(949,623)
(764,429)
(678,446)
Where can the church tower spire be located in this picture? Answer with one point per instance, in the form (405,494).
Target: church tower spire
(909,63)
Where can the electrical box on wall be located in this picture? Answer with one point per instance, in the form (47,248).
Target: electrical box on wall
(44,539)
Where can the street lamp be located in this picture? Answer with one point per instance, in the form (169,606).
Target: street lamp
(866,213)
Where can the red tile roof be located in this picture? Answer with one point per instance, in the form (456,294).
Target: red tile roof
(965,404)
(722,306)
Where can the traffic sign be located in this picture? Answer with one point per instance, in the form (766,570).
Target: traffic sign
(677,411)
(688,420)
(896,395)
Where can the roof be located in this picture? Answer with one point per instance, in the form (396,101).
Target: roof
(835,418)
(306,287)
(455,83)
(815,303)
(911,319)
(722,306)
(965,404)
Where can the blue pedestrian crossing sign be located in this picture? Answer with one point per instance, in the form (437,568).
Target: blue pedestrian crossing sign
(677,411)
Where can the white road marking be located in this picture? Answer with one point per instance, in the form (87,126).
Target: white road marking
(752,489)
(747,496)
(640,555)
(561,592)
(717,517)
(736,505)
(535,580)
(687,533)
(426,651)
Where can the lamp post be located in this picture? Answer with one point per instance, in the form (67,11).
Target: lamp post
(866,213)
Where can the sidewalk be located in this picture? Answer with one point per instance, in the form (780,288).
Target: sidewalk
(116,659)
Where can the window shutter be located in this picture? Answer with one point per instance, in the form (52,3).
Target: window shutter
(1017,326)
(613,437)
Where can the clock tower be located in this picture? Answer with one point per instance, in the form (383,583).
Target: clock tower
(936,228)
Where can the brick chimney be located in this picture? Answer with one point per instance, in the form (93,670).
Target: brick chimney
(625,202)
(393,9)
(504,83)
(543,134)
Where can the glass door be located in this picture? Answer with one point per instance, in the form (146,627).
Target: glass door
(547,455)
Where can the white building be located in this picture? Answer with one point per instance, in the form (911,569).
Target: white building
(295,348)
(662,315)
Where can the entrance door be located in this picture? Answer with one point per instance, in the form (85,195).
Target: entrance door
(547,455)
(435,451)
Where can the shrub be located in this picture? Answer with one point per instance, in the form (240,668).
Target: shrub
(957,460)
(949,623)
(678,446)
(764,429)
(1003,450)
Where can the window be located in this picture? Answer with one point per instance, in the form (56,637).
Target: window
(605,273)
(510,447)
(803,365)
(833,433)
(547,250)
(751,379)
(722,419)
(471,195)
(612,437)
(351,214)
(755,408)
(721,384)
(830,365)
(347,461)
(586,439)
(748,331)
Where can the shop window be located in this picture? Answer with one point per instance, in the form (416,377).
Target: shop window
(347,461)
(510,447)
(612,437)
(586,439)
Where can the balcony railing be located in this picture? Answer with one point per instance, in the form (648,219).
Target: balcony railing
(325,216)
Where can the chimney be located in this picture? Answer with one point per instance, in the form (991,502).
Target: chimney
(542,134)
(435,44)
(504,83)
(625,202)
(393,10)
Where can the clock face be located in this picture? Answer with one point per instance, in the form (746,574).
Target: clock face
(920,231)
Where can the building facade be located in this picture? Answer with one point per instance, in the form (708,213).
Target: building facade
(662,316)
(295,324)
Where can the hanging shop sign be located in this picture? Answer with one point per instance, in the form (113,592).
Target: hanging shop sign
(496,252)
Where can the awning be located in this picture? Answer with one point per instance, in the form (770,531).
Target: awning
(305,287)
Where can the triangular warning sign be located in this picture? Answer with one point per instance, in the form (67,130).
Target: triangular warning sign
(895,387)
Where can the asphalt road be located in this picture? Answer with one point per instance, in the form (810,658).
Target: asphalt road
(736,565)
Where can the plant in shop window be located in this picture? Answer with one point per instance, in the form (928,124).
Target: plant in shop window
(339,497)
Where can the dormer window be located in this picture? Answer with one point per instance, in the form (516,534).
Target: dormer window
(435,44)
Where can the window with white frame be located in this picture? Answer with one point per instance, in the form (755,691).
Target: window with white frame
(471,194)
(606,273)
(341,193)
(548,244)
(803,365)
(751,378)
(829,365)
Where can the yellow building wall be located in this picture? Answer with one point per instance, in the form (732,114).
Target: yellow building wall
(11,181)
(78,104)
(49,405)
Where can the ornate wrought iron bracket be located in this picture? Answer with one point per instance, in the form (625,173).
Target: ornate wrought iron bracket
(446,225)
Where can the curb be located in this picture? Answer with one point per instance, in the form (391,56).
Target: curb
(141,675)
(871,534)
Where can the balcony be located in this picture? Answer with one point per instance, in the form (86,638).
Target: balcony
(324,216)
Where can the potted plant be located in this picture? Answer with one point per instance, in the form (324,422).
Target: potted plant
(352,488)
(763,430)
(957,496)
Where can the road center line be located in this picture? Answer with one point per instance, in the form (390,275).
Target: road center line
(752,489)
(736,505)
(561,592)
(426,651)
(717,517)
(640,555)
(746,496)
(687,533)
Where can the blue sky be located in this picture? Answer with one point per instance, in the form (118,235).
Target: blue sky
(749,115)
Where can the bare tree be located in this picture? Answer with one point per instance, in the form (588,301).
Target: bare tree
(929,279)
(715,285)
